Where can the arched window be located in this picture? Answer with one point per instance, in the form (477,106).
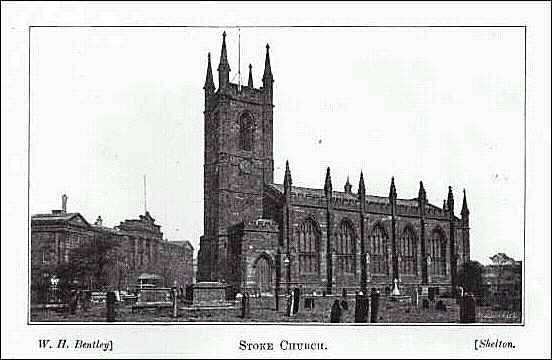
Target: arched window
(407,252)
(438,252)
(345,248)
(308,239)
(378,251)
(246,132)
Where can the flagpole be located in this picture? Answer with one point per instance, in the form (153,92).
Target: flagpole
(145,196)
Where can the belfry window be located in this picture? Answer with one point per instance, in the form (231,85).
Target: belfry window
(246,132)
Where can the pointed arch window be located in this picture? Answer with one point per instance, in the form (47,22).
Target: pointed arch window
(308,244)
(345,248)
(246,132)
(438,252)
(378,251)
(407,252)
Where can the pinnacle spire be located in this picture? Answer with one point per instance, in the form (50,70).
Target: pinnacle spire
(209,84)
(224,67)
(450,200)
(465,210)
(422,192)
(348,187)
(267,75)
(361,187)
(392,189)
(250,80)
(287,176)
(328,183)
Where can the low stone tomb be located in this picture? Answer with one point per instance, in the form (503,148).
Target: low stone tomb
(153,298)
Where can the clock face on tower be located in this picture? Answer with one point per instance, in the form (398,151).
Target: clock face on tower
(245,166)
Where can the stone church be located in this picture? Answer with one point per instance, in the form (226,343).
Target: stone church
(267,237)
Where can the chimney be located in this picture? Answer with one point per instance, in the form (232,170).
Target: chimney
(64,203)
(99,221)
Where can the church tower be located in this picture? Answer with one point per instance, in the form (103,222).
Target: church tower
(238,158)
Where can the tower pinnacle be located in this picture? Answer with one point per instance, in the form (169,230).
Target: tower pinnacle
(328,183)
(267,75)
(465,210)
(450,200)
(223,68)
(361,187)
(348,187)
(250,80)
(392,190)
(422,192)
(287,176)
(209,84)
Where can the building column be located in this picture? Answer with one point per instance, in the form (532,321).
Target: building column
(363,251)
(329,252)
(423,252)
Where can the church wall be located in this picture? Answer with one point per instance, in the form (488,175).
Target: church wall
(247,243)
(311,208)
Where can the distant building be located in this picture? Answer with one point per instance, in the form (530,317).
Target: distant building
(502,281)
(181,254)
(138,254)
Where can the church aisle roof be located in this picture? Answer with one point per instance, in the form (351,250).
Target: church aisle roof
(343,195)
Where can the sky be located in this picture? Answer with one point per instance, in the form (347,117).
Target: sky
(442,105)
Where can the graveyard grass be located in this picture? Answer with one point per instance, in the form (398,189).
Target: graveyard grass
(263,310)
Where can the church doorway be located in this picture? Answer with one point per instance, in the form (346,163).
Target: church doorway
(263,275)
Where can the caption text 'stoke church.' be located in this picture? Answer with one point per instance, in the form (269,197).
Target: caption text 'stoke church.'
(263,236)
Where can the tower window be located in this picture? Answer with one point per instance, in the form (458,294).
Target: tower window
(246,132)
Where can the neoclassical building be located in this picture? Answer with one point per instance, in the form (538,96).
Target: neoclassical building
(138,250)
(266,237)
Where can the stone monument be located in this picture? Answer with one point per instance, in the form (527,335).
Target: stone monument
(395,291)
(209,294)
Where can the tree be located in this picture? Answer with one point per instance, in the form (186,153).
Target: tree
(90,263)
(469,277)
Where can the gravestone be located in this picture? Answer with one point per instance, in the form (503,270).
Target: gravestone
(416,297)
(431,294)
(244,303)
(361,308)
(290,304)
(395,291)
(296,300)
(425,304)
(110,306)
(73,302)
(175,303)
(247,304)
(468,309)
(344,305)
(335,314)
(374,305)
